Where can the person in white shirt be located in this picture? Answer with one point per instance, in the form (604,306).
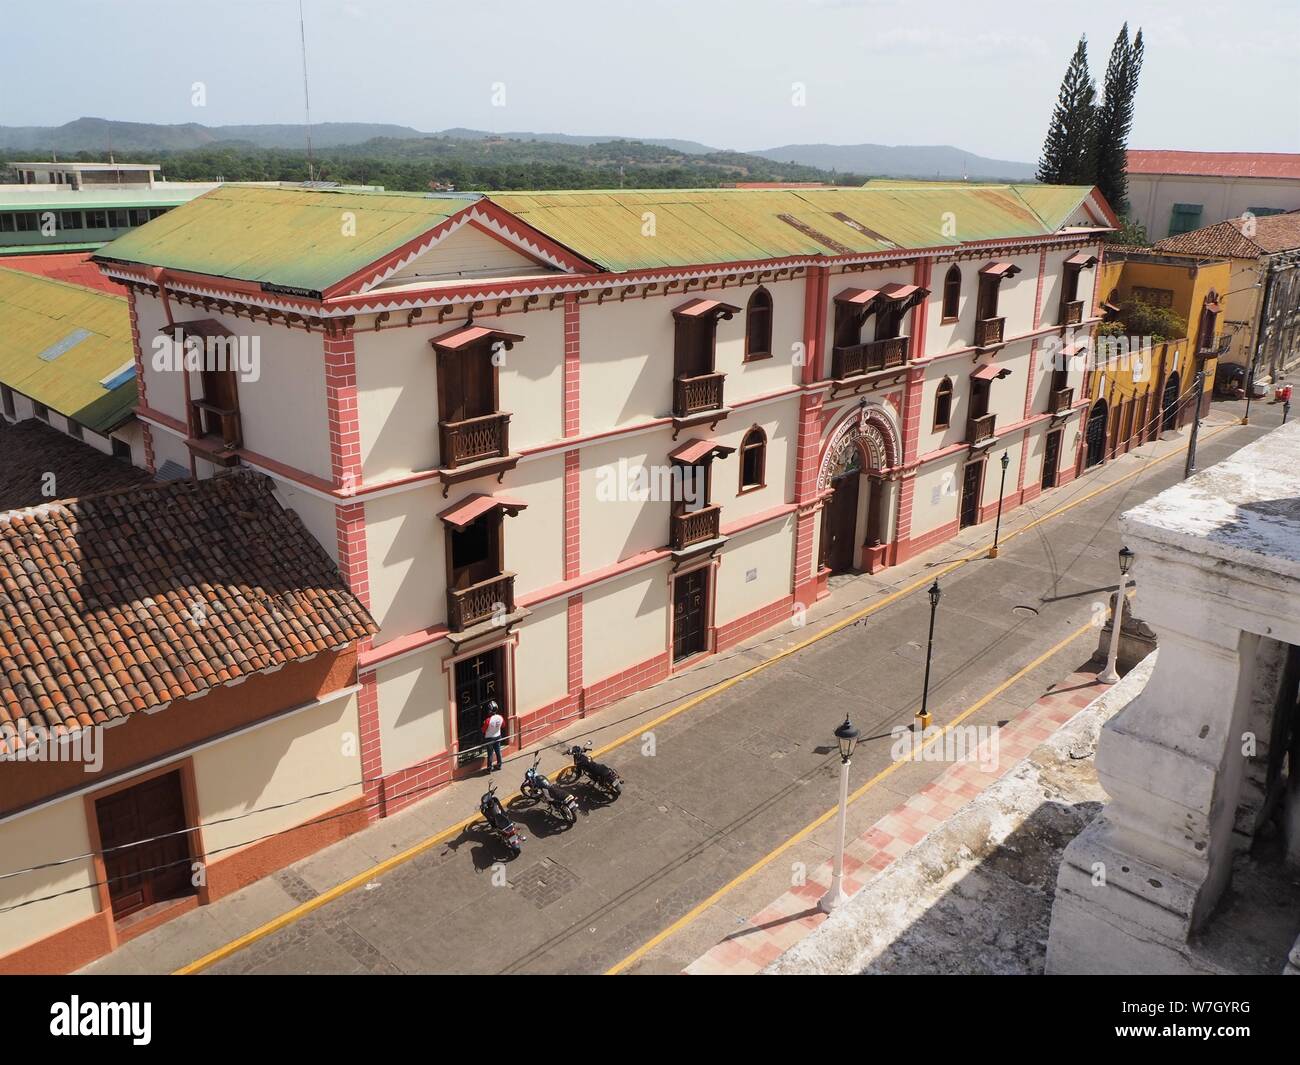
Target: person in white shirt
(492,727)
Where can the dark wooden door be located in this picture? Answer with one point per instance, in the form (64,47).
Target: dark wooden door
(690,614)
(1095,435)
(839,523)
(466,384)
(478,682)
(1051,459)
(1169,404)
(971,484)
(146,851)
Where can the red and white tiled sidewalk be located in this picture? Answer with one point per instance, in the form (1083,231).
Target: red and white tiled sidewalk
(778,927)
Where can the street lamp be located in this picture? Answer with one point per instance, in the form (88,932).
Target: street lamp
(1002,491)
(923,718)
(847,738)
(1110,674)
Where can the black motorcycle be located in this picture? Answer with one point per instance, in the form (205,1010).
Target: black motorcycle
(562,806)
(499,821)
(606,780)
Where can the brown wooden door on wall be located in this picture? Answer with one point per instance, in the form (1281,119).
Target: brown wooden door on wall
(839,523)
(690,613)
(146,853)
(1051,459)
(971,483)
(478,683)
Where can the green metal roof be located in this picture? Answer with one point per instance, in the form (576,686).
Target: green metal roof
(61,198)
(739,225)
(59,341)
(296,238)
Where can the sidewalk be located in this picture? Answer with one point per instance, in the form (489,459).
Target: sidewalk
(417,832)
(779,926)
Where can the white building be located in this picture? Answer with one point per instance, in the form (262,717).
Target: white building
(480,406)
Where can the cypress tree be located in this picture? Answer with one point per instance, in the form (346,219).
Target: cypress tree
(1067,157)
(1114,119)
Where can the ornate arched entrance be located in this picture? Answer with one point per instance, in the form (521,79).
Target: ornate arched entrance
(857,480)
(1095,434)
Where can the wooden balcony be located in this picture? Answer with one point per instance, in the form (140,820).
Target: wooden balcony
(858,360)
(1060,400)
(1072,312)
(981,428)
(693,527)
(475,439)
(989,332)
(481,602)
(215,432)
(698,399)
(475,447)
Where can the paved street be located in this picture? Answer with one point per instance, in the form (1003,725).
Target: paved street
(724,783)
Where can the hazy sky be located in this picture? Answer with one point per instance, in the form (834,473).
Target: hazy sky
(977,75)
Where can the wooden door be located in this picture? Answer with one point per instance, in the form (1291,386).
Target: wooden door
(478,682)
(146,852)
(839,523)
(690,614)
(971,485)
(1095,435)
(1051,459)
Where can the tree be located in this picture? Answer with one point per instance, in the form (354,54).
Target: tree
(1067,151)
(1114,119)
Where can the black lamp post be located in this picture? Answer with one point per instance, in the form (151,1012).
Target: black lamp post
(847,738)
(1002,491)
(923,718)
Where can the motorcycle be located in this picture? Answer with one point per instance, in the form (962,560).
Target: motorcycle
(605,779)
(499,821)
(562,805)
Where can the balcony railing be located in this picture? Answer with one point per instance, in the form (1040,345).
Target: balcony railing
(854,360)
(474,439)
(1073,313)
(208,420)
(692,527)
(981,427)
(693,395)
(494,597)
(988,331)
(1061,400)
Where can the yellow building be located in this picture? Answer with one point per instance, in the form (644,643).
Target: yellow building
(1139,383)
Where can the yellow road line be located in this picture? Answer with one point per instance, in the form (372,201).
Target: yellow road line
(286,919)
(812,826)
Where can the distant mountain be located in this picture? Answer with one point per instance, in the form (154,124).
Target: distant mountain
(102,135)
(903,161)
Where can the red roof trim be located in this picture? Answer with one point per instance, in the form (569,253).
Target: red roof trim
(472,507)
(990,371)
(465,335)
(704,308)
(858,296)
(693,451)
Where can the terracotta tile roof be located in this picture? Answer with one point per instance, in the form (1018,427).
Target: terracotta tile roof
(1273,233)
(1216,164)
(124,602)
(32,451)
(73,267)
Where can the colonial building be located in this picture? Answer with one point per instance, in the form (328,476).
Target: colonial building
(562,445)
(1175,192)
(1262,302)
(178,698)
(1149,386)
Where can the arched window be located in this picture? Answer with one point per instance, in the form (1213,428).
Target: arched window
(951,293)
(753,460)
(943,404)
(758,326)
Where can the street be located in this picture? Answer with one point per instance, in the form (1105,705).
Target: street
(714,789)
